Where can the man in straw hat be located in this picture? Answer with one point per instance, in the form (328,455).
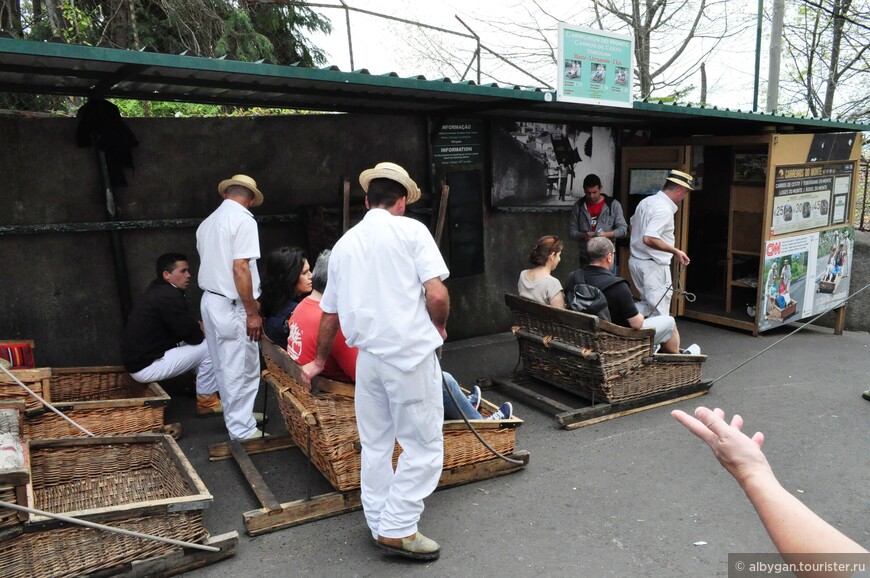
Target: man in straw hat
(652,244)
(229,246)
(385,290)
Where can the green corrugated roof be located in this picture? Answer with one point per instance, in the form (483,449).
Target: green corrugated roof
(74,70)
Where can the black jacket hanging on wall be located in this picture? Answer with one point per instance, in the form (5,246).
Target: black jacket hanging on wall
(101,125)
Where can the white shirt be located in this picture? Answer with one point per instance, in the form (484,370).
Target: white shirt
(654,217)
(376,275)
(229,233)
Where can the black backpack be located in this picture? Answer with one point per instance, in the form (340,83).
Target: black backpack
(588,298)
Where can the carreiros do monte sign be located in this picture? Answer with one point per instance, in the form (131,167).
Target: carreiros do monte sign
(594,66)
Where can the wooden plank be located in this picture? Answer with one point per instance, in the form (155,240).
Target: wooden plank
(184,466)
(604,412)
(222,451)
(482,470)
(345,206)
(255,480)
(291,514)
(294,370)
(719,320)
(529,396)
(442,214)
(545,312)
(180,562)
(298,512)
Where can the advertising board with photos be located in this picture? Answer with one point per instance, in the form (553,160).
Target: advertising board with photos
(810,196)
(594,66)
(805,275)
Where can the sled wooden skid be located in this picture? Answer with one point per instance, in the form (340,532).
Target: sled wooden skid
(273,516)
(177,562)
(529,390)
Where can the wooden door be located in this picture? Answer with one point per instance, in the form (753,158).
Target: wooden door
(644,170)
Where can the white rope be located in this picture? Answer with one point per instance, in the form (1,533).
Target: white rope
(105,528)
(45,403)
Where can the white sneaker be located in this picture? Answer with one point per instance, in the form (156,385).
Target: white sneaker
(693,349)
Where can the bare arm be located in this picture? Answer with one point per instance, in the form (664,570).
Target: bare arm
(656,243)
(437,304)
(793,527)
(325,338)
(245,289)
(636,322)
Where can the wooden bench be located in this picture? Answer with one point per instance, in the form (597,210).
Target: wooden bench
(593,358)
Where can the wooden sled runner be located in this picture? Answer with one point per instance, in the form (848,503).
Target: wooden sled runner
(322,424)
(603,363)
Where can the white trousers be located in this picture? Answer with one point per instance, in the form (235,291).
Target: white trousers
(236,361)
(653,282)
(406,406)
(664,326)
(180,360)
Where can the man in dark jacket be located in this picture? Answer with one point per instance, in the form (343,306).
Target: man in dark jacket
(163,340)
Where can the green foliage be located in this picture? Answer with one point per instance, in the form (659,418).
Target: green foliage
(241,39)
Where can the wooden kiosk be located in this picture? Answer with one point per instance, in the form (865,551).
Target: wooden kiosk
(769,228)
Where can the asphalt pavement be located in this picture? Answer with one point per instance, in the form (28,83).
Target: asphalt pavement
(634,496)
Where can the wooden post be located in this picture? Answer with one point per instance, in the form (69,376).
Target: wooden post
(345,207)
(840,322)
(442,214)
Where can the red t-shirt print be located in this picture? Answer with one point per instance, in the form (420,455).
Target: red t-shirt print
(594,212)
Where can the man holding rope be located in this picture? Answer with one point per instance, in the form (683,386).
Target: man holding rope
(653,244)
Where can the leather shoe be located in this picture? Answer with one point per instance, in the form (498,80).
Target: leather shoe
(866,395)
(416,546)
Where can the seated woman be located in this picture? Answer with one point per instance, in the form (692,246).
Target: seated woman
(341,363)
(286,280)
(538,283)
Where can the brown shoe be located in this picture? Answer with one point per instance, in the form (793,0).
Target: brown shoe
(209,405)
(416,546)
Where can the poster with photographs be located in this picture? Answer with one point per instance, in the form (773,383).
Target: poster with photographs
(543,165)
(784,287)
(594,66)
(805,275)
(805,194)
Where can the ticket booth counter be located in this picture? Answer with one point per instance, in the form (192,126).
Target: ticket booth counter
(769,229)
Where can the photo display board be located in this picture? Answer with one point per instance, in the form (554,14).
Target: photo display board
(809,197)
(594,66)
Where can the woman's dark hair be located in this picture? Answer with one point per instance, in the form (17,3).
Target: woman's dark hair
(546,246)
(283,267)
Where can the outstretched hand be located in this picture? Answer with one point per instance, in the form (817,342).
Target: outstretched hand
(737,452)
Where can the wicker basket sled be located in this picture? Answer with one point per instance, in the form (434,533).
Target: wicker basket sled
(38,380)
(103,400)
(14,466)
(593,358)
(141,483)
(327,420)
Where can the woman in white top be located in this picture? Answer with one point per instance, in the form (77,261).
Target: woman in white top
(538,284)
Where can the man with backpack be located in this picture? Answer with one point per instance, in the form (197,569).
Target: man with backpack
(595,215)
(620,304)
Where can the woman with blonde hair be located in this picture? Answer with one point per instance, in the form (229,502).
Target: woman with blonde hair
(538,283)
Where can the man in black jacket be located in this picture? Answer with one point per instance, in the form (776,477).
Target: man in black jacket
(163,340)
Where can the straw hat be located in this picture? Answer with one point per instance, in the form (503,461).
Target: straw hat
(393,172)
(682,179)
(242,181)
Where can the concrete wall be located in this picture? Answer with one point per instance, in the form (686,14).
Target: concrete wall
(60,288)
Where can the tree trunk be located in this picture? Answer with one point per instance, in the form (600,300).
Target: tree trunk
(840,9)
